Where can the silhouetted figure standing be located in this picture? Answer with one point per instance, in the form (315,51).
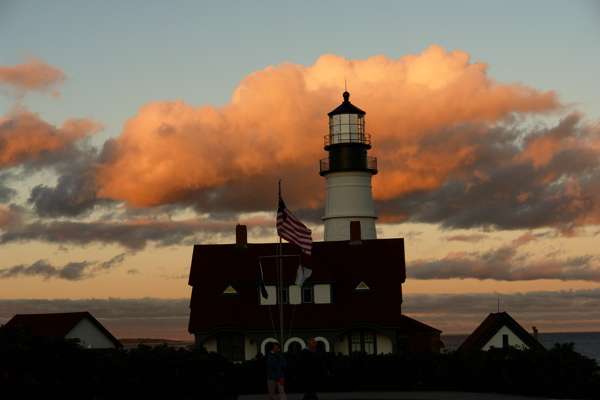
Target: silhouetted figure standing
(275,377)
(310,367)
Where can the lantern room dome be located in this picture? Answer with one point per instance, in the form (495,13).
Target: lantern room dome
(346,107)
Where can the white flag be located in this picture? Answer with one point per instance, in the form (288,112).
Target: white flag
(302,274)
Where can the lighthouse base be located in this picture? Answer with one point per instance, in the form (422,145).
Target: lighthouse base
(339,228)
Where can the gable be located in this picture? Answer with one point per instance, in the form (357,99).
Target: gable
(497,340)
(90,335)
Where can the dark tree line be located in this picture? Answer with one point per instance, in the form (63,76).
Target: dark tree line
(51,367)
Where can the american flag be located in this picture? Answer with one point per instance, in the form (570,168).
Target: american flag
(292,230)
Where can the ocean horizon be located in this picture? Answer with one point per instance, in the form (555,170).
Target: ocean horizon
(586,343)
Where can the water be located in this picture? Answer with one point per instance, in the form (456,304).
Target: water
(586,343)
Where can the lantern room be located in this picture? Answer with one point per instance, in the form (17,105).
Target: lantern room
(347,125)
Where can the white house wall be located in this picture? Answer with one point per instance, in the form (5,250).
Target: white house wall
(384,344)
(210,344)
(496,341)
(249,349)
(89,335)
(340,345)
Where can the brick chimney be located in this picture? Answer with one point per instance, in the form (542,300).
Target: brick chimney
(355,236)
(241,236)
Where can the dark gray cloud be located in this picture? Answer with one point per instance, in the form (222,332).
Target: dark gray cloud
(472,238)
(72,271)
(549,311)
(453,313)
(516,177)
(504,264)
(133,235)
(6,192)
(74,193)
(124,318)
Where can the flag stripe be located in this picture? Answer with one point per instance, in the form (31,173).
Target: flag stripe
(292,230)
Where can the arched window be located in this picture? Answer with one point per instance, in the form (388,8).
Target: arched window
(294,347)
(321,348)
(269,347)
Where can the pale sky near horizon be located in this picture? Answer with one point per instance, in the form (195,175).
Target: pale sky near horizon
(131,130)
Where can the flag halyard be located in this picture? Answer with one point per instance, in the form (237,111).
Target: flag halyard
(292,230)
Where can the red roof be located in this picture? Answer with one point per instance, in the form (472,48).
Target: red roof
(378,263)
(56,324)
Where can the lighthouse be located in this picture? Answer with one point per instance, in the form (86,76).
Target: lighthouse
(348,171)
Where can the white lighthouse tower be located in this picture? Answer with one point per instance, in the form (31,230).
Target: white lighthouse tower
(348,171)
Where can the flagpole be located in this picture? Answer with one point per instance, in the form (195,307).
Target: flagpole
(279,291)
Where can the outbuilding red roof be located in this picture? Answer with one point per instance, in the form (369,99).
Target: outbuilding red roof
(56,324)
(490,326)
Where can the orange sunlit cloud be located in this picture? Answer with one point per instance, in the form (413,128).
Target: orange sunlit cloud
(32,75)
(7,217)
(24,136)
(277,120)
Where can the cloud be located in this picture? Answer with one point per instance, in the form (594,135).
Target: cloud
(24,137)
(32,75)
(454,146)
(473,238)
(134,235)
(8,216)
(550,311)
(124,318)
(72,271)
(506,264)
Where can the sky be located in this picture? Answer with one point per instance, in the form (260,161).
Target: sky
(132,130)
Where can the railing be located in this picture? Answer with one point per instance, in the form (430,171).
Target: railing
(346,137)
(364,163)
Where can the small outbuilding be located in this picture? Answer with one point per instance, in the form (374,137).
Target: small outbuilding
(73,325)
(500,330)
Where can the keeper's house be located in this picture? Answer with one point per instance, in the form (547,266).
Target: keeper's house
(351,302)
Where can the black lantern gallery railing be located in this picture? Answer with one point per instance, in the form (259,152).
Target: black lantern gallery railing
(362,163)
